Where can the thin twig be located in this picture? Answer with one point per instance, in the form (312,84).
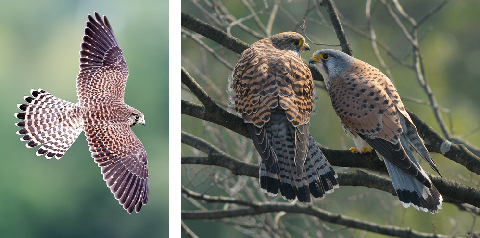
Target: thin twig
(373,40)
(187,231)
(268,31)
(210,50)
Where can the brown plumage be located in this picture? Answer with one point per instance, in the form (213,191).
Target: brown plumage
(371,112)
(272,89)
(100,111)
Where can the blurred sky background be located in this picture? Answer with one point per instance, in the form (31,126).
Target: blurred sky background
(450,44)
(39,48)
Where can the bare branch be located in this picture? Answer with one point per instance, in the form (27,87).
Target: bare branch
(451,190)
(255,208)
(210,50)
(332,13)
(436,143)
(213,33)
(271,20)
(255,16)
(373,40)
(187,231)
(418,61)
(431,12)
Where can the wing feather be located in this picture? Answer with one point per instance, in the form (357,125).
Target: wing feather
(123,160)
(103,70)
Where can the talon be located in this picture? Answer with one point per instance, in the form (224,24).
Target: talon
(354,149)
(366,150)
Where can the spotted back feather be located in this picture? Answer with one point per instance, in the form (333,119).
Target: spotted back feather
(266,77)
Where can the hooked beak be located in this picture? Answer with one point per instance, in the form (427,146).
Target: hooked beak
(312,61)
(143,122)
(306,47)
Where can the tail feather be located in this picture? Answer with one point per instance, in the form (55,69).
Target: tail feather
(50,122)
(320,175)
(287,189)
(291,160)
(411,192)
(414,140)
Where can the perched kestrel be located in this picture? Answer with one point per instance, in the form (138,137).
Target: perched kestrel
(272,90)
(372,113)
(101,112)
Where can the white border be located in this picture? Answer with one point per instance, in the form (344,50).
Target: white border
(174,195)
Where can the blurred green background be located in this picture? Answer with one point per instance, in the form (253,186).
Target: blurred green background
(39,48)
(450,44)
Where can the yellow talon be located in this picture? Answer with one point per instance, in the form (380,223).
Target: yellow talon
(354,149)
(364,150)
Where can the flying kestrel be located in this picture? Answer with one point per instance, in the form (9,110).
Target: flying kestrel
(372,113)
(54,124)
(272,90)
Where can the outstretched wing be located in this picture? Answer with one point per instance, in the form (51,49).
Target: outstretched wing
(123,160)
(103,70)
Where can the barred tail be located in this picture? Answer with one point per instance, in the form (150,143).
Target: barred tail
(320,175)
(291,160)
(412,192)
(50,122)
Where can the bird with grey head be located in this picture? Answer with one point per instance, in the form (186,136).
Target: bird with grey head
(372,113)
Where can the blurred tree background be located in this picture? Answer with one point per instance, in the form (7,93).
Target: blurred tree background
(449,40)
(39,45)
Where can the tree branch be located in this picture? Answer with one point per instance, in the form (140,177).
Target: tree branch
(254,208)
(332,13)
(452,191)
(436,143)
(213,33)
(187,231)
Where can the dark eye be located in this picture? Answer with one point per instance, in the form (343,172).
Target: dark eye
(137,116)
(324,56)
(297,43)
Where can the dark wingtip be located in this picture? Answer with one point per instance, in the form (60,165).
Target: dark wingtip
(90,18)
(107,23)
(98,17)
(138,207)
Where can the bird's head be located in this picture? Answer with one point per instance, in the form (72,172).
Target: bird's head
(291,41)
(136,118)
(331,63)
